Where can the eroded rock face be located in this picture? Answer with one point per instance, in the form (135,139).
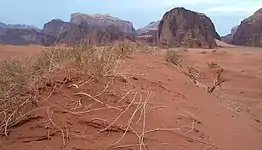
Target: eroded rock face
(102,21)
(249,32)
(182,27)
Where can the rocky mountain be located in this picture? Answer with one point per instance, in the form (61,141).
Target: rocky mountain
(94,29)
(71,33)
(152,26)
(15,36)
(228,38)
(249,32)
(4,27)
(23,26)
(102,21)
(56,27)
(182,27)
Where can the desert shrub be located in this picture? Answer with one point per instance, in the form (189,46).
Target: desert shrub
(173,57)
(212,65)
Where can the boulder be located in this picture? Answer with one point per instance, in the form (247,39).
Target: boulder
(182,27)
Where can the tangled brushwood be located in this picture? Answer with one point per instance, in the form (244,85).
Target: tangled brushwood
(20,80)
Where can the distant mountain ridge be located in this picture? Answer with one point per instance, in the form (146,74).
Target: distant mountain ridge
(178,27)
(152,26)
(4,26)
(18,34)
(228,38)
(102,21)
(97,29)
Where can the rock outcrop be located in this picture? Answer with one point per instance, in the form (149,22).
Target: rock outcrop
(249,32)
(182,27)
(102,21)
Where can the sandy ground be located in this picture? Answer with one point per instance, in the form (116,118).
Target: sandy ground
(167,110)
(11,51)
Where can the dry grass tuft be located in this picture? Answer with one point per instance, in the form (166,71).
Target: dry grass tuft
(173,57)
(20,80)
(213,65)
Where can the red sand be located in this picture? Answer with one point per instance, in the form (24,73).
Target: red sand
(179,115)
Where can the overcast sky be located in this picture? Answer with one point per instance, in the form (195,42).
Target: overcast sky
(225,14)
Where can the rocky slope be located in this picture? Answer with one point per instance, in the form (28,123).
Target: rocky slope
(249,32)
(182,27)
(102,21)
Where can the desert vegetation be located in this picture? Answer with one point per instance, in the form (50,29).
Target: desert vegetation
(85,79)
(173,57)
(21,80)
(193,72)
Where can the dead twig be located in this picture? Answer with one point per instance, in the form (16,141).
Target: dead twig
(10,117)
(113,122)
(51,121)
(82,93)
(107,85)
(130,121)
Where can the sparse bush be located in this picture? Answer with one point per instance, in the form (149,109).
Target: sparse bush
(173,57)
(218,81)
(213,65)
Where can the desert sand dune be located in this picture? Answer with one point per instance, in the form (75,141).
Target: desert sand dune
(162,107)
